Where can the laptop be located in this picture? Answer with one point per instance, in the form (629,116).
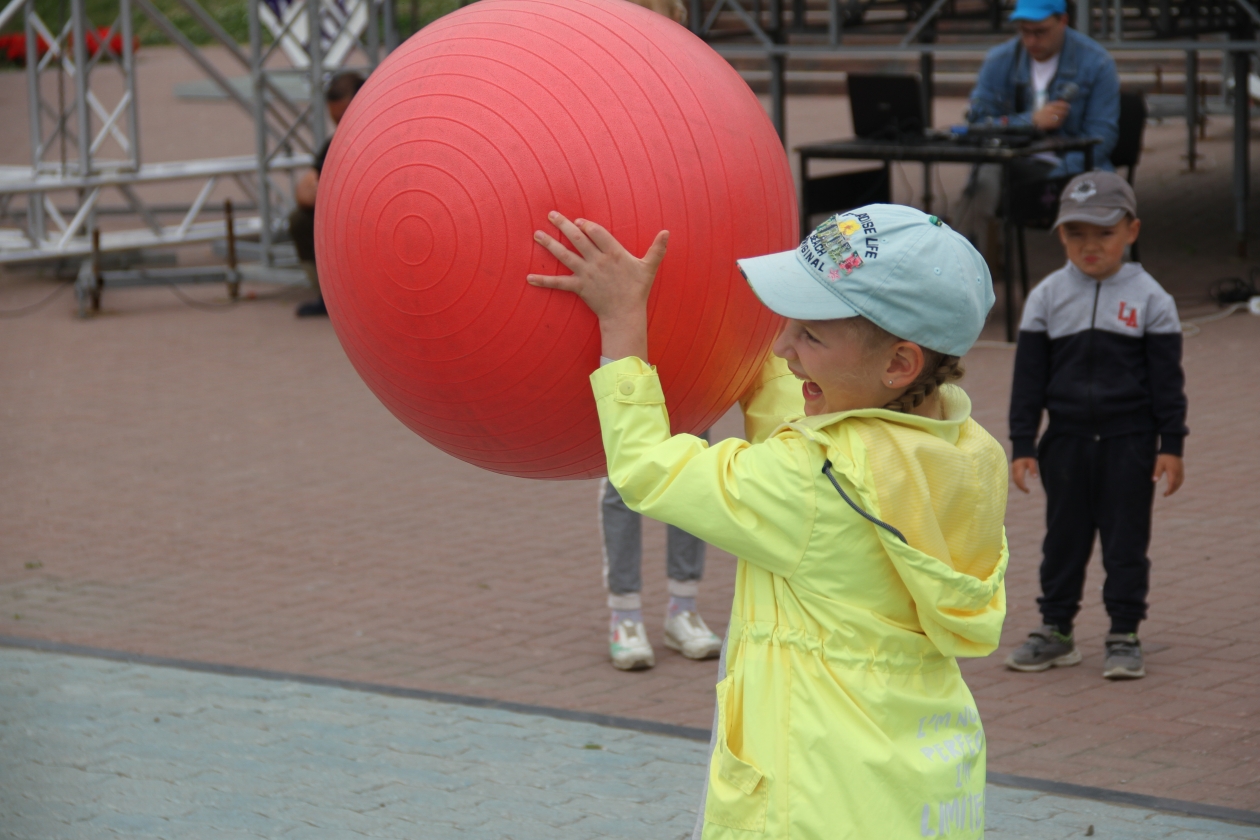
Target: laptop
(886,107)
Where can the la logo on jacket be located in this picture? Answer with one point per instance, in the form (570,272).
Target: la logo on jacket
(1128,315)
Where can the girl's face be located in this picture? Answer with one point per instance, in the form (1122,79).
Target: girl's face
(841,369)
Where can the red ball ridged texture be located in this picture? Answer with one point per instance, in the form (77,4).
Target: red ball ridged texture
(451,156)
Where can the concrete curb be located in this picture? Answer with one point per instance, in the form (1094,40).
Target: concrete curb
(650,727)
(691,733)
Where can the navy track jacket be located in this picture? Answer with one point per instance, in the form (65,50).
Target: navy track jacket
(1103,359)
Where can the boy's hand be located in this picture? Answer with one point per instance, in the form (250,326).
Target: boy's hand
(609,279)
(1020,469)
(1173,467)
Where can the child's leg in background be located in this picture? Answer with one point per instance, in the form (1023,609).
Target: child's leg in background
(1123,510)
(628,645)
(1069,478)
(623,556)
(684,563)
(622,531)
(685,630)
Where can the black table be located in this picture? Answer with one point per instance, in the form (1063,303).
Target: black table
(948,150)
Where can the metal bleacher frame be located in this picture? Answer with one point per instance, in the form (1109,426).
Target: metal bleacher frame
(49,210)
(69,135)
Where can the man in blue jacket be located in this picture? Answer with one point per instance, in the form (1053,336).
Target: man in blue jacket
(1051,77)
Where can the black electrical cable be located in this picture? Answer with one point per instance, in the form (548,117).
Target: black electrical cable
(904,177)
(283,293)
(228,304)
(197,304)
(944,194)
(1233,290)
(40,304)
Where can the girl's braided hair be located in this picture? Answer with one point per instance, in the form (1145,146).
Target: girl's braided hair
(938,369)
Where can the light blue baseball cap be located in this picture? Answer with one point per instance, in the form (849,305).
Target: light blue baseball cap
(906,271)
(1038,9)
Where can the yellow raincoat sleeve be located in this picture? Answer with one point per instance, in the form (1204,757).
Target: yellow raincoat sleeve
(775,394)
(755,501)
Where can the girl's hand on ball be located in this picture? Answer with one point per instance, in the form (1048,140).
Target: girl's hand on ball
(613,282)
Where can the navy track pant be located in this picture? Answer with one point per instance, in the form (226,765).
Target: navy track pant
(1099,487)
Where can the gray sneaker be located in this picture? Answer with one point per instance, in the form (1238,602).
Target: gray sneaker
(1124,657)
(1046,648)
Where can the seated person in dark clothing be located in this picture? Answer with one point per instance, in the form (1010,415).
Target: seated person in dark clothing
(340,91)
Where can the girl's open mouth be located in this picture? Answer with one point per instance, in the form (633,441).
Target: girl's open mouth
(811,390)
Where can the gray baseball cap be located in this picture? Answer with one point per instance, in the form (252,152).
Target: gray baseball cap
(1096,198)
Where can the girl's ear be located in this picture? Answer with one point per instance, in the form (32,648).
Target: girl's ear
(904,365)
(1135,227)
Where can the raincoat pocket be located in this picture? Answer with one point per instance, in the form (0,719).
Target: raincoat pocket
(739,793)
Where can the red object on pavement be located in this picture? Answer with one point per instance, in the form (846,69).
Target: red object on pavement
(13,44)
(95,39)
(451,156)
(13,47)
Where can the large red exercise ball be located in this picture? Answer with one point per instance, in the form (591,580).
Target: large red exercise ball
(451,156)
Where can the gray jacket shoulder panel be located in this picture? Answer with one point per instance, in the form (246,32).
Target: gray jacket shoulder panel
(1061,304)
(1131,303)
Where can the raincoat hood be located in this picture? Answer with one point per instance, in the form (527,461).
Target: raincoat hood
(941,483)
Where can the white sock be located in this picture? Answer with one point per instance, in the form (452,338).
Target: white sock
(678,604)
(619,616)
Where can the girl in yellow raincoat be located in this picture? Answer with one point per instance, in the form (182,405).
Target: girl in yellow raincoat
(869,531)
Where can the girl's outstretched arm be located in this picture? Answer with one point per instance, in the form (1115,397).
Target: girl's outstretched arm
(721,494)
(609,279)
(615,285)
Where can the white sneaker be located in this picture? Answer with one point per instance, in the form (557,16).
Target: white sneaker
(687,633)
(629,648)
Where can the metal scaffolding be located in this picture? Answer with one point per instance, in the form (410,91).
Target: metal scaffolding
(85,139)
(86,143)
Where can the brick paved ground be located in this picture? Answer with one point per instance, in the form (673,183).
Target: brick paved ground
(218,485)
(91,749)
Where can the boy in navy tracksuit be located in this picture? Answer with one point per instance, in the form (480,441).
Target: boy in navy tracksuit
(1100,351)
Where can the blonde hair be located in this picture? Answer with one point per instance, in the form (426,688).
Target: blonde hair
(938,368)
